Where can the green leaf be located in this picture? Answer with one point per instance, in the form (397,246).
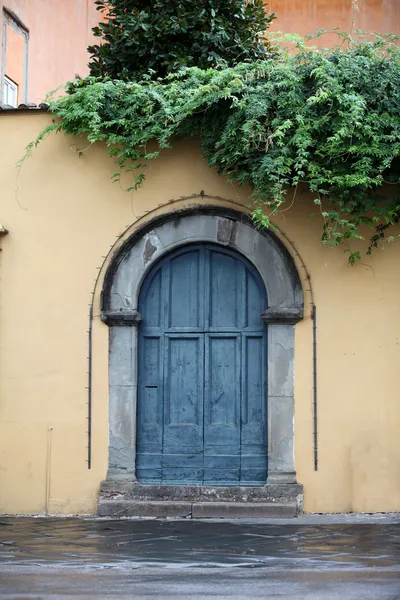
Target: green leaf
(326,120)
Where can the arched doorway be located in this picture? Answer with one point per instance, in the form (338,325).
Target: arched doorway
(202,381)
(142,344)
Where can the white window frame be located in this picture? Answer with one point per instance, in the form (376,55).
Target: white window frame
(10,92)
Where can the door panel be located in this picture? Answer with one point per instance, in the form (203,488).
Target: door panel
(222,408)
(254,303)
(153,301)
(183,396)
(185,301)
(202,398)
(183,407)
(254,409)
(223,290)
(222,379)
(150,409)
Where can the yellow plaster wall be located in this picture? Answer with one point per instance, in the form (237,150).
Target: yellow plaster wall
(63,215)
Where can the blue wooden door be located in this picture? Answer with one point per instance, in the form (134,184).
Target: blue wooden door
(202,398)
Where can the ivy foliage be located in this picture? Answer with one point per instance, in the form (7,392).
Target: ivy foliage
(139,37)
(328,120)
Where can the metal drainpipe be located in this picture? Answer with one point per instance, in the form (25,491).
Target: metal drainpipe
(89,417)
(315,406)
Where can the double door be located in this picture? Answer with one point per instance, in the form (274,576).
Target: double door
(202,398)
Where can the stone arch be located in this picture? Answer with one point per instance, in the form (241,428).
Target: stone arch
(119,310)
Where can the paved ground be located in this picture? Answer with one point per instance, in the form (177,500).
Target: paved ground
(328,558)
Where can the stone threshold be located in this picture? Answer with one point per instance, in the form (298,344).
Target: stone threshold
(122,498)
(195,510)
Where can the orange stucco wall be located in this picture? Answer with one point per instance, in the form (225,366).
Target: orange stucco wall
(307,16)
(59,33)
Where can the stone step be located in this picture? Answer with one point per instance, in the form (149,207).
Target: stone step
(271,493)
(195,510)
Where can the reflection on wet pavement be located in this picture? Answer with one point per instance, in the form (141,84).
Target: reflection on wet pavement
(134,543)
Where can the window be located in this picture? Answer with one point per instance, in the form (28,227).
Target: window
(10,92)
(13,59)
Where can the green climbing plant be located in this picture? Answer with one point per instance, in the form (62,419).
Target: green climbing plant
(323,119)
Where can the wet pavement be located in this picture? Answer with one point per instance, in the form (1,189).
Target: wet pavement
(98,558)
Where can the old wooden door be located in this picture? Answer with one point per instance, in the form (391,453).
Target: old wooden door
(202,398)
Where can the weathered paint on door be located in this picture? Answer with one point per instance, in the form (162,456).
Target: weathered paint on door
(202,398)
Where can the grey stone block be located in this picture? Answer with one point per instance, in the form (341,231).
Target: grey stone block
(227,510)
(112,489)
(135,508)
(237,510)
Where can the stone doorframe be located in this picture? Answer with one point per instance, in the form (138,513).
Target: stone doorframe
(119,310)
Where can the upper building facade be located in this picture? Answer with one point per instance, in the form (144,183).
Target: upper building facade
(44,44)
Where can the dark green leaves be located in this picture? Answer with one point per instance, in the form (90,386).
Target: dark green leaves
(159,36)
(325,119)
